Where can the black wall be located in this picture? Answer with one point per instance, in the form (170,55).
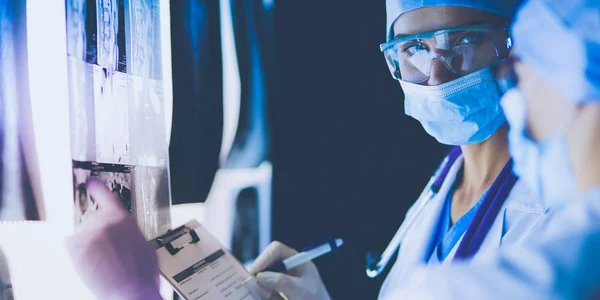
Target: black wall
(347,161)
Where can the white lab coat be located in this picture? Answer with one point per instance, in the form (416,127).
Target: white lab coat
(521,213)
(561,262)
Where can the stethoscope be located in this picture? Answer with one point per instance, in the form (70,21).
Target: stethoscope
(477,230)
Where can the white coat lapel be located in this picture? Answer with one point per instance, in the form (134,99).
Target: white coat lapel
(523,213)
(516,220)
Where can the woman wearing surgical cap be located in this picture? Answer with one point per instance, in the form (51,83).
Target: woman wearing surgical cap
(443,53)
(552,103)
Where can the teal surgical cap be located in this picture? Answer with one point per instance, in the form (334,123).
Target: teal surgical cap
(560,39)
(395,8)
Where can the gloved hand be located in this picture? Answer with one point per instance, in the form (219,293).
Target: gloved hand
(110,253)
(302,282)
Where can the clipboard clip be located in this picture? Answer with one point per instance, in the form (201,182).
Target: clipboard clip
(171,235)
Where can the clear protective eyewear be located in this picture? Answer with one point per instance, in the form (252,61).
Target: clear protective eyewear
(462,50)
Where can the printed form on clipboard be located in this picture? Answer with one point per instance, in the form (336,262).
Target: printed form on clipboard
(199,268)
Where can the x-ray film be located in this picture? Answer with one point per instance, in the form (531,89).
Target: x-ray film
(117,106)
(116,177)
(143,38)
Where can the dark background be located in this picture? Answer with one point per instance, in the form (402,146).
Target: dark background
(347,162)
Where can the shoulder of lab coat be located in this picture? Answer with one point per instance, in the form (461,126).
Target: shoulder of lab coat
(522,214)
(560,263)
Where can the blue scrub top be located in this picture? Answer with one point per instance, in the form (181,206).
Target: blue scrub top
(446,236)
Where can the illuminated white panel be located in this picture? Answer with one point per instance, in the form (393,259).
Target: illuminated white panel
(219,209)
(166,290)
(39,264)
(231,81)
(165,38)
(46,39)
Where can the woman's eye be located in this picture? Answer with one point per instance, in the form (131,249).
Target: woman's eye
(468,39)
(414,48)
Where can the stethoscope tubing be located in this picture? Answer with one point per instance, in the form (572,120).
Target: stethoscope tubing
(431,189)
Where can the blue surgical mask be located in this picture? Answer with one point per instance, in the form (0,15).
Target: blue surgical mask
(460,112)
(544,166)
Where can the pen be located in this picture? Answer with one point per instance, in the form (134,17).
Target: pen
(306,255)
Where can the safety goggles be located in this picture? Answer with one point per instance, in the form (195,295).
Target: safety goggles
(462,50)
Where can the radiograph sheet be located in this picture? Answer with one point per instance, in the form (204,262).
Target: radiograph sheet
(117,106)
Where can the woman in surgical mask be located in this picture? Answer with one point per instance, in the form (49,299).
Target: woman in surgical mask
(552,103)
(443,54)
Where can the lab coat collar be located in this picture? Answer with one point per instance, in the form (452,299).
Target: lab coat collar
(519,199)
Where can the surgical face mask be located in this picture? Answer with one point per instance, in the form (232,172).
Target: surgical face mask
(460,112)
(544,166)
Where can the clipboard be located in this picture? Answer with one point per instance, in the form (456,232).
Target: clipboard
(198,267)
